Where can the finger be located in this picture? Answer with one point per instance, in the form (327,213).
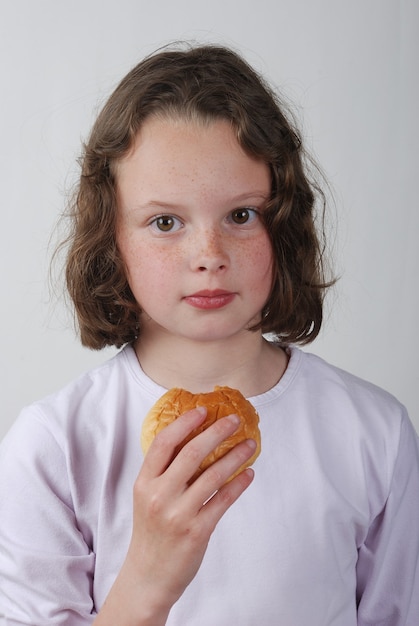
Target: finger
(216,476)
(164,445)
(191,455)
(221,501)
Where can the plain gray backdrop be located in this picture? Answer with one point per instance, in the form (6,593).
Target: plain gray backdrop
(351,70)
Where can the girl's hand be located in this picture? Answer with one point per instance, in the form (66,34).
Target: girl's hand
(173,520)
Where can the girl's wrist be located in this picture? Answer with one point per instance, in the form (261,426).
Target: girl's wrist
(131,604)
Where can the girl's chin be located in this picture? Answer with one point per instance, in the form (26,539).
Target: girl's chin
(200,331)
(200,337)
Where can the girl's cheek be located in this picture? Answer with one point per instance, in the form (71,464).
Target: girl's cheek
(260,251)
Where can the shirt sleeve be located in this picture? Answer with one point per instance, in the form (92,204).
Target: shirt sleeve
(388,562)
(46,566)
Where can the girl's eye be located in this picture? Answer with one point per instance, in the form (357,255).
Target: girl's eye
(166,223)
(243,216)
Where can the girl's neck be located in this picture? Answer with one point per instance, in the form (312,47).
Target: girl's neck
(249,363)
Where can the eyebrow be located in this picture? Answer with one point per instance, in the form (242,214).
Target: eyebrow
(161,204)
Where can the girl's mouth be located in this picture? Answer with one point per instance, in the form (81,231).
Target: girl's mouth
(208,299)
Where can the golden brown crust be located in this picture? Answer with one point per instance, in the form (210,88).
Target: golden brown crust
(219,403)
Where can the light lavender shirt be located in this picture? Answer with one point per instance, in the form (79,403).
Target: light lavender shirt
(326,535)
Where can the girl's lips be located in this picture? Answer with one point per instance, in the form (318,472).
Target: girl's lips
(210,299)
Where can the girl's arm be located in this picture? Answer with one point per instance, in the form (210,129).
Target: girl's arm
(173,520)
(388,562)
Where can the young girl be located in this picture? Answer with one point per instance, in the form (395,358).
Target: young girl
(194,239)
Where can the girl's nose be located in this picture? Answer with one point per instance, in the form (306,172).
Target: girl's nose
(210,252)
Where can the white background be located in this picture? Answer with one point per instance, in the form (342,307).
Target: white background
(351,69)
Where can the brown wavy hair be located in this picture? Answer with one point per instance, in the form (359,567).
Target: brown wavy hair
(207,83)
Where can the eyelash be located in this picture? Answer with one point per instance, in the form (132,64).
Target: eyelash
(250,211)
(160,219)
(170,221)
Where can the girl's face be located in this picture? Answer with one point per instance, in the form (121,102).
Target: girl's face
(198,258)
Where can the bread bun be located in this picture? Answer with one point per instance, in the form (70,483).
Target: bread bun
(219,403)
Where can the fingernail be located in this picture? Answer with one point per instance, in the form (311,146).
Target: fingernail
(234,419)
(251,443)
